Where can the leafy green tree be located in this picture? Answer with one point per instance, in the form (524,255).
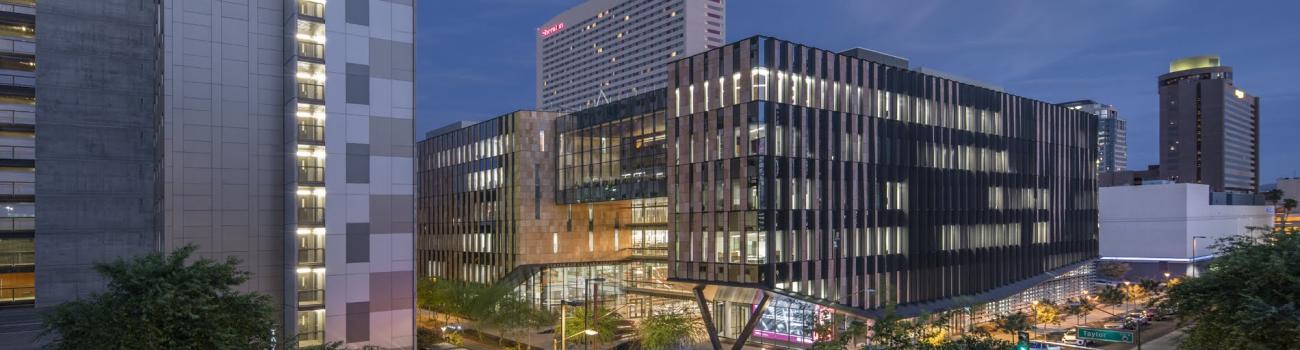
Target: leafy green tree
(158,301)
(1013,323)
(670,330)
(1046,311)
(1080,307)
(601,320)
(1274,195)
(1111,296)
(1246,299)
(1112,270)
(511,315)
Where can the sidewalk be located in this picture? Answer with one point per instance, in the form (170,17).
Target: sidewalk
(1167,342)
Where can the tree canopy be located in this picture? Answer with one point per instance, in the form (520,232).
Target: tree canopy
(158,301)
(1246,299)
(670,330)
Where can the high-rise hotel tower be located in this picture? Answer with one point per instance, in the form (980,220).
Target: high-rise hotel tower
(277,132)
(1209,126)
(606,50)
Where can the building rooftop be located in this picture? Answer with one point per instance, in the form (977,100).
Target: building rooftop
(1193,62)
(448,128)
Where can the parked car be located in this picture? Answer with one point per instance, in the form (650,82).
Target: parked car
(1114,325)
(1139,317)
(1154,314)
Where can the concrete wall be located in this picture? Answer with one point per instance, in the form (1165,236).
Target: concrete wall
(98,148)
(1159,221)
(223,138)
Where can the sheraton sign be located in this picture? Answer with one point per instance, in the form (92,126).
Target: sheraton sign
(545,32)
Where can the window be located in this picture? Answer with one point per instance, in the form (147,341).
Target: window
(760,76)
(555,242)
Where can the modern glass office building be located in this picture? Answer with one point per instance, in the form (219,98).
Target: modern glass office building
(771,170)
(1112,134)
(853,184)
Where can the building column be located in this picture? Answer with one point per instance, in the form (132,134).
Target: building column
(753,321)
(708,318)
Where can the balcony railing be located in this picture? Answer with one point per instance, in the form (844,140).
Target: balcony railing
(311,91)
(311,9)
(311,216)
(655,252)
(312,297)
(17,259)
(311,50)
(18,80)
(311,133)
(17,152)
(311,174)
(310,338)
(17,224)
(16,295)
(17,117)
(311,256)
(17,188)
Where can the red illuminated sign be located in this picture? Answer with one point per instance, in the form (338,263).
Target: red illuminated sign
(552,29)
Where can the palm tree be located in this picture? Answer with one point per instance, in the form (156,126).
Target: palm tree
(1013,323)
(1111,296)
(1287,206)
(1085,306)
(669,330)
(601,320)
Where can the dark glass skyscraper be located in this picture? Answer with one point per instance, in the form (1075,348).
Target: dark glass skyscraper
(1209,127)
(855,184)
(1112,134)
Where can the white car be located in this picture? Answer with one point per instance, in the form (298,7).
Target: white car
(1072,337)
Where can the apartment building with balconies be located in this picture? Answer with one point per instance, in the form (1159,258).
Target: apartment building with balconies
(17,152)
(278,133)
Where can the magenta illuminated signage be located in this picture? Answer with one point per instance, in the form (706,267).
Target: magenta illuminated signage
(552,29)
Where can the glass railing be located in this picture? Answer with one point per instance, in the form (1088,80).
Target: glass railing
(311,50)
(311,9)
(17,152)
(16,79)
(311,174)
(17,117)
(311,91)
(17,259)
(310,338)
(17,188)
(312,297)
(311,255)
(650,251)
(311,133)
(311,216)
(15,295)
(17,224)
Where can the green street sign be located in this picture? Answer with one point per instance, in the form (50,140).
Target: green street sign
(1109,335)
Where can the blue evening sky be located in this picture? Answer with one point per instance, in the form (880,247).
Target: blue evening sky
(476,58)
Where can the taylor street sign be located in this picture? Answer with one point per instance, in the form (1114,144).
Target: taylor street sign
(1109,335)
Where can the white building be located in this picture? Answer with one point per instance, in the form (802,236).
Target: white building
(1161,228)
(606,50)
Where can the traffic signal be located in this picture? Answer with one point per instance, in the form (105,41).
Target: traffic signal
(1022,342)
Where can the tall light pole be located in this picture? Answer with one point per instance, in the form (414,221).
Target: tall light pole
(590,304)
(564,322)
(1192,261)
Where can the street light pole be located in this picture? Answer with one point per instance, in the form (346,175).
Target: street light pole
(589,304)
(1192,261)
